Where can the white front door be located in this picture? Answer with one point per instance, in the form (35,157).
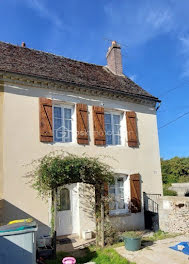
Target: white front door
(66,219)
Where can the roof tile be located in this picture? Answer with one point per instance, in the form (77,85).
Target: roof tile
(31,62)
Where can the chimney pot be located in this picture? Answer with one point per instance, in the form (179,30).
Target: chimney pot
(114,59)
(23,44)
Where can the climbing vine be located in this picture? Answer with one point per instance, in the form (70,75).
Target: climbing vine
(53,171)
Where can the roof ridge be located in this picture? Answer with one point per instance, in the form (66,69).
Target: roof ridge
(52,54)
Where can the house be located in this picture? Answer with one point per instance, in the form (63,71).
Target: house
(48,103)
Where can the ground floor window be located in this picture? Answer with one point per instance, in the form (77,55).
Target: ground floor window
(119,195)
(64,199)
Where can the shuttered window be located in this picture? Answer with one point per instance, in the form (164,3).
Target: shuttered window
(62,121)
(98,124)
(112,129)
(135,193)
(119,198)
(132,129)
(82,124)
(45,120)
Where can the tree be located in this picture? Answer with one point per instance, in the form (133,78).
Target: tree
(174,170)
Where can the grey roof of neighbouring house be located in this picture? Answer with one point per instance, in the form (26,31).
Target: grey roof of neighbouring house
(22,60)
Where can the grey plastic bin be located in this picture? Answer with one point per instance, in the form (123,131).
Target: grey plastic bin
(18,247)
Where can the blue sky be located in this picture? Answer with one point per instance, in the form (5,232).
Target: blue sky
(155,46)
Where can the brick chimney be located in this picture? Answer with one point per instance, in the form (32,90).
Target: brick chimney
(114,59)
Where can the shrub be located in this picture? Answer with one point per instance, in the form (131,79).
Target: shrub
(167,192)
(111,235)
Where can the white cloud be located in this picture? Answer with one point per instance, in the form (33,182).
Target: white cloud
(185,53)
(43,11)
(185,44)
(136,24)
(160,19)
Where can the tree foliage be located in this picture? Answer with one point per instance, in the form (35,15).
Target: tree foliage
(175,170)
(56,170)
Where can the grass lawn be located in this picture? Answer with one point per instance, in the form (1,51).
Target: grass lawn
(159,235)
(100,256)
(108,255)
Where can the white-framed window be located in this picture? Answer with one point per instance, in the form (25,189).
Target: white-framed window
(113,128)
(119,194)
(64,200)
(62,123)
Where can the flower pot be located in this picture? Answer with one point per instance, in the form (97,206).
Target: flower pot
(69,260)
(132,243)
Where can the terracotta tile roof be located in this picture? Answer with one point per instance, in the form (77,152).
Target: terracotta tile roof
(22,60)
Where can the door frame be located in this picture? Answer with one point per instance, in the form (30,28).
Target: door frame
(74,210)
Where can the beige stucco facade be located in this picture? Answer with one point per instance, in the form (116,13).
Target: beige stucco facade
(1,139)
(20,145)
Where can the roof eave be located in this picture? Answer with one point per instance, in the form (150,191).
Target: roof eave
(150,98)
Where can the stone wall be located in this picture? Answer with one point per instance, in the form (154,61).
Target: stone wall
(174,214)
(182,189)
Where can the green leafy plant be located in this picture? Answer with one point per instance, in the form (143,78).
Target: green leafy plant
(133,234)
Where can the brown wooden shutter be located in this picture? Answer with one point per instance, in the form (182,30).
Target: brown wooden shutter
(45,120)
(98,122)
(132,129)
(135,188)
(82,124)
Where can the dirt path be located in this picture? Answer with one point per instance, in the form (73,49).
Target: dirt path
(158,253)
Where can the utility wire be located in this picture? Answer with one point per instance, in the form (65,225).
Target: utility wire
(172,121)
(175,108)
(172,89)
(161,95)
(124,46)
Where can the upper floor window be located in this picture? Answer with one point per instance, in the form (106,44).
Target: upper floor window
(112,128)
(69,123)
(62,120)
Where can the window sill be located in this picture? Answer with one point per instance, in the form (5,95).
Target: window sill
(115,146)
(119,214)
(60,144)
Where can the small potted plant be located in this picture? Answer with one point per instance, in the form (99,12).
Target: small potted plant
(132,240)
